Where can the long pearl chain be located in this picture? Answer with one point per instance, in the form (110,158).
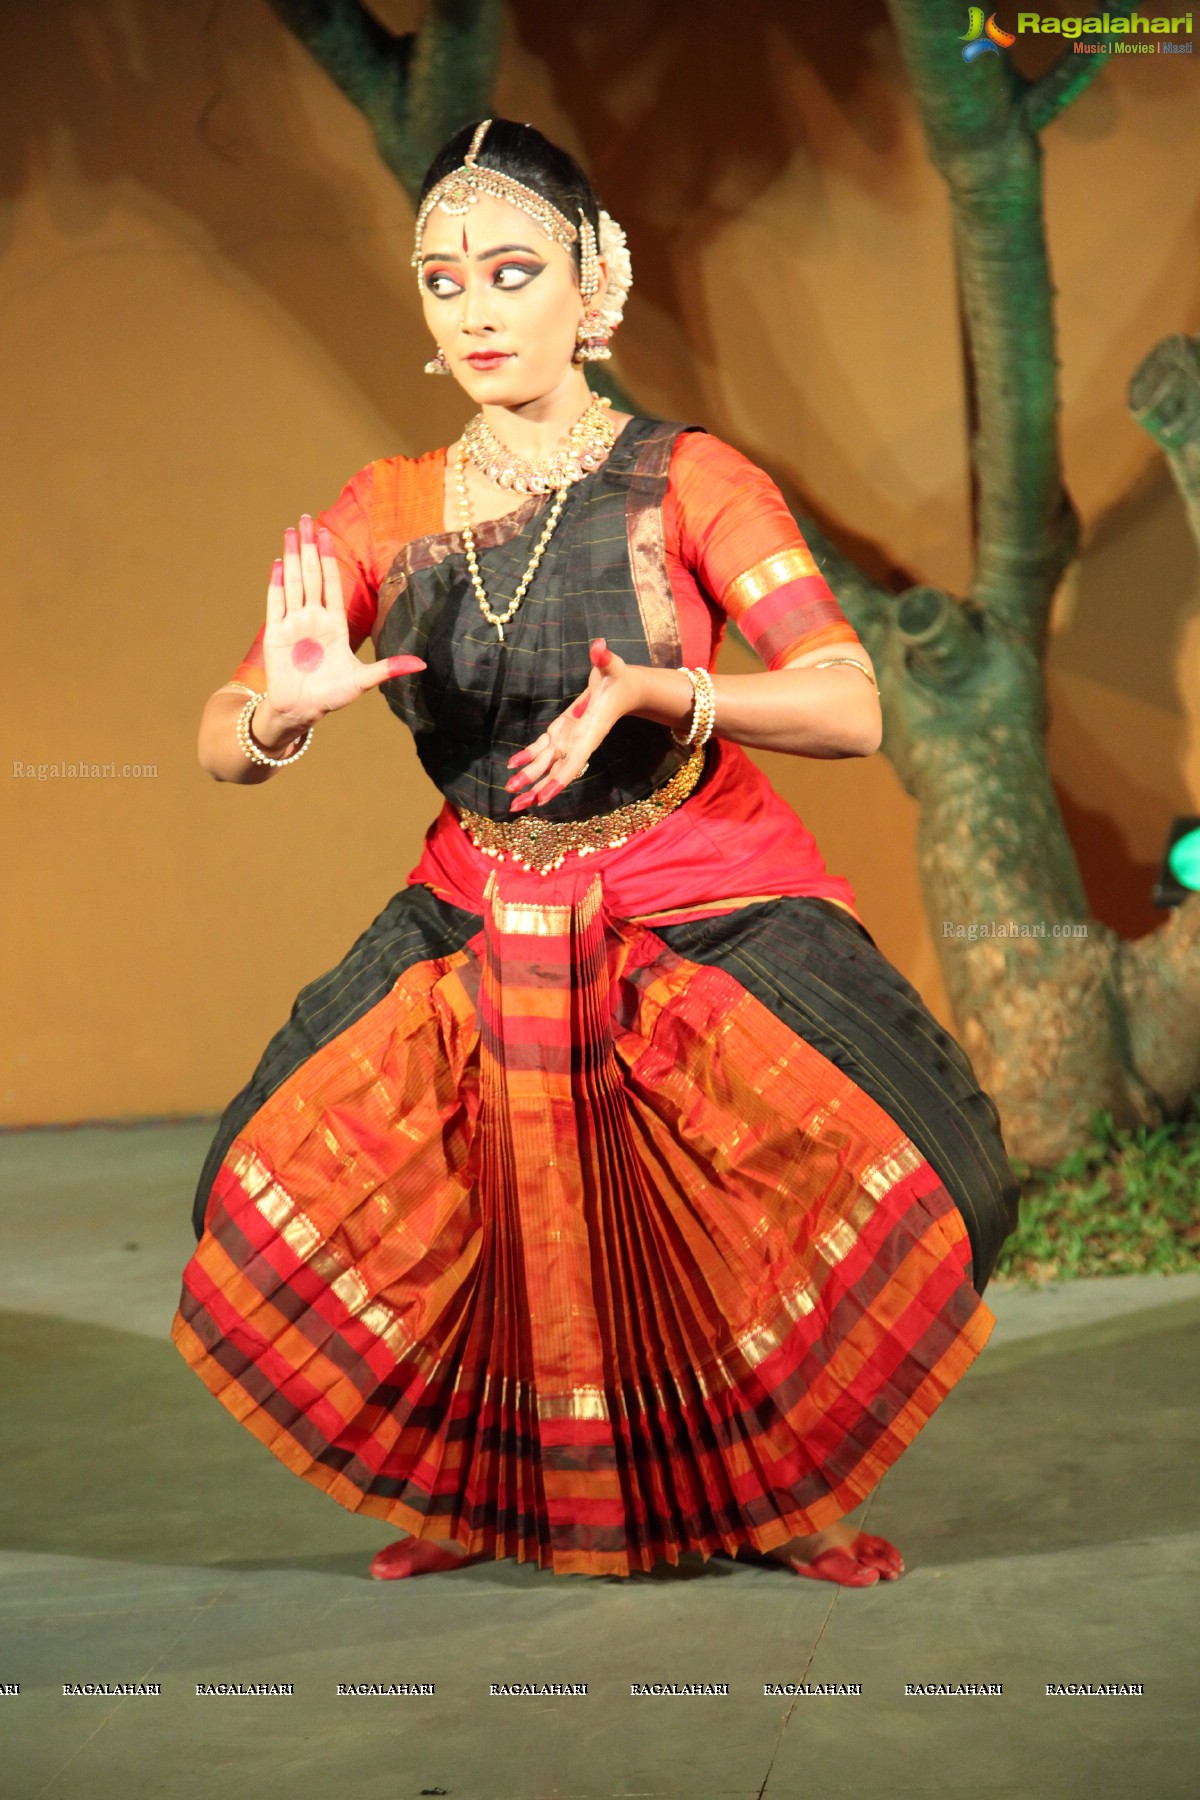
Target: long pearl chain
(500,620)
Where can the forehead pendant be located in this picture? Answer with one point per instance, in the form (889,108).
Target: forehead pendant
(458,197)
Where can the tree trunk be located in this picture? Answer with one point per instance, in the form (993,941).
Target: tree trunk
(1058,1014)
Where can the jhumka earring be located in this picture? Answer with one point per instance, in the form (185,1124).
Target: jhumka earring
(437,365)
(591,339)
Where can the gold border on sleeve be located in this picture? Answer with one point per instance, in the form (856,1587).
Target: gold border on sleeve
(773,571)
(541,845)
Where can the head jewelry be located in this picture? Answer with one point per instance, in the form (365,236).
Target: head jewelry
(458,191)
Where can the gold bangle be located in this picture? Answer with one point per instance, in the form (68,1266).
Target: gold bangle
(684,738)
(704,711)
(854,664)
(708,708)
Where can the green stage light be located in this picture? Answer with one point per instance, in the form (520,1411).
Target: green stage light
(1180,872)
(1183,860)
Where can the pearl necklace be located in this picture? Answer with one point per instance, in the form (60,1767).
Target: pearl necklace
(583,449)
(500,620)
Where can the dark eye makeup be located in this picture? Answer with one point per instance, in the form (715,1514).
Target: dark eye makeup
(526,271)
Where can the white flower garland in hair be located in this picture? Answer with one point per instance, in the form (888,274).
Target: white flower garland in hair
(612,247)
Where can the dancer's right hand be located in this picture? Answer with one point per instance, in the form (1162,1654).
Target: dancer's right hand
(310,668)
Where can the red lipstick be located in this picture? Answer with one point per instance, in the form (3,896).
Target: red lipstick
(488,359)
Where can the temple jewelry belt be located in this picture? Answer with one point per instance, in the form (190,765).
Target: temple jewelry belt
(542,844)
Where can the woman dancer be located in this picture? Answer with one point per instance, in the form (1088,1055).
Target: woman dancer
(614,1197)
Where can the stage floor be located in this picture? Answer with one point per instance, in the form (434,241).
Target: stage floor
(1049,1516)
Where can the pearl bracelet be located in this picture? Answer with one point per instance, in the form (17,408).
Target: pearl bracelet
(252,751)
(704,710)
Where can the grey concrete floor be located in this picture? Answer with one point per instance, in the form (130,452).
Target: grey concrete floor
(1048,1515)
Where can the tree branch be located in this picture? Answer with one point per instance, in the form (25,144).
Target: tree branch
(415,91)
(1164,398)
(978,138)
(1052,92)
(941,636)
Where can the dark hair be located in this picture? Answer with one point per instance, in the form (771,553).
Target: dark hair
(522,152)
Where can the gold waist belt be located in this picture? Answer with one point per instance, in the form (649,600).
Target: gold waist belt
(542,844)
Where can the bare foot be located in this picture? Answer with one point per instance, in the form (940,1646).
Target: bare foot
(841,1554)
(417,1556)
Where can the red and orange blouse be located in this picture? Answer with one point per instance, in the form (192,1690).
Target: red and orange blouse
(733,552)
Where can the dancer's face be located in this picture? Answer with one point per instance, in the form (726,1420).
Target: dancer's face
(494,286)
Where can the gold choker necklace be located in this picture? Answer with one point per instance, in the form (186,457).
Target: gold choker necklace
(583,449)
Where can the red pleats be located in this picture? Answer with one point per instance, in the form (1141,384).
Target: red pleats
(572,1251)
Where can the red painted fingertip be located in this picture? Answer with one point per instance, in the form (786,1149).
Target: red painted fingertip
(521,802)
(548,792)
(579,708)
(520,759)
(325,539)
(307,529)
(277,572)
(600,653)
(291,537)
(404,665)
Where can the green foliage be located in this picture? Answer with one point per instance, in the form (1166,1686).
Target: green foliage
(1125,1202)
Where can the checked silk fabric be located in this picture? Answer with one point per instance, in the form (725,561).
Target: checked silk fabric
(571,1234)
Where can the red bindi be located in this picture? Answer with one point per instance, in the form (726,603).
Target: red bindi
(307,655)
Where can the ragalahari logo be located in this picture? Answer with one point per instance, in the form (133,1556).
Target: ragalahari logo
(980,37)
(1108,34)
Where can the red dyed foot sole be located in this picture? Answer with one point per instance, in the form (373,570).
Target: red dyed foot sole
(872,1559)
(834,1565)
(413,1556)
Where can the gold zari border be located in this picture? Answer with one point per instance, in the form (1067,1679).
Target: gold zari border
(772,572)
(526,918)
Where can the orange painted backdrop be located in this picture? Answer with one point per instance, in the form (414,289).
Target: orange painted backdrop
(209,323)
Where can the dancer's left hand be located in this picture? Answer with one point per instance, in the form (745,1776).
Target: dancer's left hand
(554,759)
